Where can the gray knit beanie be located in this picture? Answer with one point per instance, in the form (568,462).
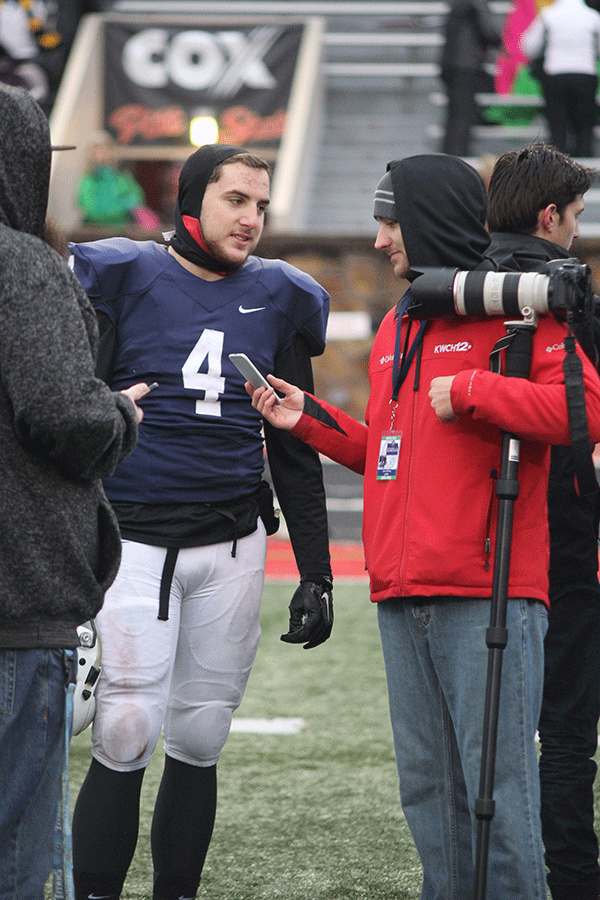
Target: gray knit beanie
(384,205)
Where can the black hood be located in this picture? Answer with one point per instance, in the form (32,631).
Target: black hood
(24,161)
(441,204)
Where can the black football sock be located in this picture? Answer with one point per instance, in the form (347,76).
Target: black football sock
(105,831)
(184,817)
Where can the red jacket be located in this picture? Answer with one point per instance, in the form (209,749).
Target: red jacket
(432,530)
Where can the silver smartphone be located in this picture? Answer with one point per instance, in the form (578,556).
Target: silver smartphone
(250,372)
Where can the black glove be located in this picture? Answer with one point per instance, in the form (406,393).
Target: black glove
(311,613)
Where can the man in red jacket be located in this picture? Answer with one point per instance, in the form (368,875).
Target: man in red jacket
(430,451)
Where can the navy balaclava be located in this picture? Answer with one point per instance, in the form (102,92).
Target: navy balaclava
(188,240)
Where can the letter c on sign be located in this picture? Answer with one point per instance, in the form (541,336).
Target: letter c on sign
(144,58)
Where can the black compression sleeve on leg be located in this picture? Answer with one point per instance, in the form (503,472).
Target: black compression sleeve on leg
(105,830)
(182,827)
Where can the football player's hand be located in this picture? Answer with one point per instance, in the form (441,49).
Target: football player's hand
(281,415)
(311,613)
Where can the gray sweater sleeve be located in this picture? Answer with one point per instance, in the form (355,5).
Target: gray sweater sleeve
(61,411)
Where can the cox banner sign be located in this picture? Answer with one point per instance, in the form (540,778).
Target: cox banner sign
(157,78)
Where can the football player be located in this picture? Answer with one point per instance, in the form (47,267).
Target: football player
(180,628)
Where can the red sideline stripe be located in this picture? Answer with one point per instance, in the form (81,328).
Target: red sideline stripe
(347,561)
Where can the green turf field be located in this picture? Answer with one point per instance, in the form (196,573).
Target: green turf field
(308,816)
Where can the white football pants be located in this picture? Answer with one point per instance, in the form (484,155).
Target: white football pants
(187,674)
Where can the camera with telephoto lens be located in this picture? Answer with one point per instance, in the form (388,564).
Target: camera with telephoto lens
(563,288)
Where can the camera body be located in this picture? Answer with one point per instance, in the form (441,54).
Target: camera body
(563,289)
(571,289)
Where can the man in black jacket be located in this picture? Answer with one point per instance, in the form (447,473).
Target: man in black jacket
(535,199)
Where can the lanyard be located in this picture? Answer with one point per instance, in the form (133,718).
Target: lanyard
(401,369)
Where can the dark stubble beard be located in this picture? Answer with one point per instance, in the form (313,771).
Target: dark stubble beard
(227,264)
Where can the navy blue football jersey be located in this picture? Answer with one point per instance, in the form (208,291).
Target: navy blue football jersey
(200,439)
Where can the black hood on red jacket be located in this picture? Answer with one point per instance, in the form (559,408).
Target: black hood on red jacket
(441,206)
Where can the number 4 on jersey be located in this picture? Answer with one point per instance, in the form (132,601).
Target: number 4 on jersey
(209,345)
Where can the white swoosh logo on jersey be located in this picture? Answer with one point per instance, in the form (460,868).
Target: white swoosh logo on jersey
(242,309)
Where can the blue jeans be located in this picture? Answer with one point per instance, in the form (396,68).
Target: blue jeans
(32,747)
(436,666)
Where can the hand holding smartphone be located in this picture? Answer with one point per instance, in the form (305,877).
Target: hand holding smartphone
(151,387)
(250,372)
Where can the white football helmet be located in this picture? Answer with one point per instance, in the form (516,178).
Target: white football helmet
(88,656)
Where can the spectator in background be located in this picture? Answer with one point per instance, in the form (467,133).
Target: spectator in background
(535,198)
(107,195)
(35,41)
(469,33)
(567,34)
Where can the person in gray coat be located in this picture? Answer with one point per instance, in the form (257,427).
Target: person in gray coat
(61,431)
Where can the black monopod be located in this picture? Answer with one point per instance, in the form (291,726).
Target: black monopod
(518,345)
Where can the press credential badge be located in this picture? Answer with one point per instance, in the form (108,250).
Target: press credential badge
(389,456)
